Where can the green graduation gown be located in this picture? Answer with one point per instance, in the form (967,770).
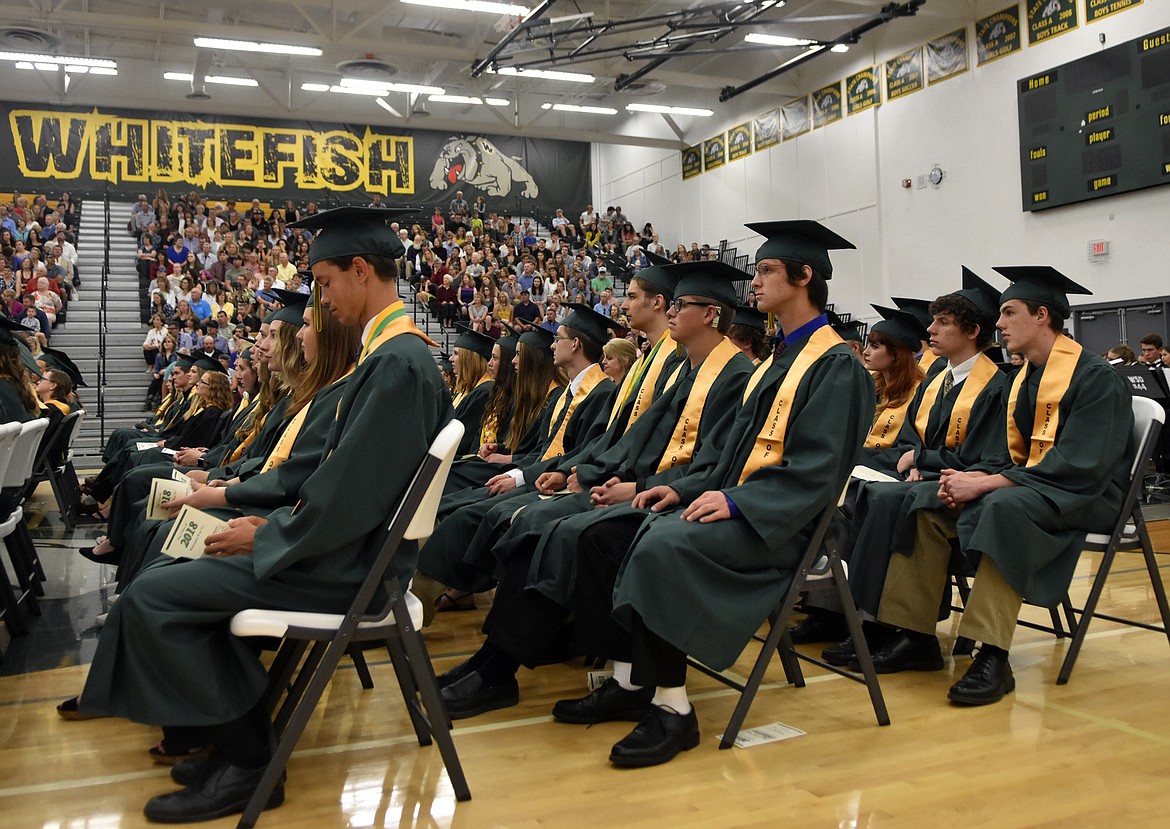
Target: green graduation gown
(470,413)
(879,505)
(706,588)
(166,655)
(458,554)
(1034,531)
(548,530)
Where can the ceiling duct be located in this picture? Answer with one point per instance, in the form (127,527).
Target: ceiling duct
(198,84)
(26,39)
(368,68)
(643,89)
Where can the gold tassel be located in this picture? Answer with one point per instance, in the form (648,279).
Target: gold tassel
(317,313)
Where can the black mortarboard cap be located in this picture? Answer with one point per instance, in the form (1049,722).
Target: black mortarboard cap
(26,357)
(61,361)
(540,339)
(662,278)
(751,317)
(353,231)
(185,361)
(444,362)
(1041,283)
(901,325)
(800,240)
(846,329)
(286,297)
(208,364)
(8,329)
(474,341)
(920,308)
(593,325)
(507,344)
(712,280)
(980,294)
(293,312)
(655,259)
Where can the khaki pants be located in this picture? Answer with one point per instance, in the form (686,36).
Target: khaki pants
(914,583)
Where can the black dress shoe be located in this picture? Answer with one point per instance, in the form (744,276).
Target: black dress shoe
(471,696)
(903,653)
(657,739)
(195,772)
(455,674)
(840,654)
(819,626)
(986,681)
(224,791)
(608,703)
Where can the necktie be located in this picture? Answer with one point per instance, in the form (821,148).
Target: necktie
(778,348)
(948,382)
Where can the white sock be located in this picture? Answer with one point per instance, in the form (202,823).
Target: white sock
(673,698)
(621,672)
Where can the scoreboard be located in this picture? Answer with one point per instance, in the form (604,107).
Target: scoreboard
(1097,126)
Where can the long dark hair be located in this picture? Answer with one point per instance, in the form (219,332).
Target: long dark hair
(535,375)
(12,367)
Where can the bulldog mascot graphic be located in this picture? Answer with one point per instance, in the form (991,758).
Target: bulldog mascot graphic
(479,163)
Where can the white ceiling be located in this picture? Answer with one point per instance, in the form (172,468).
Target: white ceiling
(436,48)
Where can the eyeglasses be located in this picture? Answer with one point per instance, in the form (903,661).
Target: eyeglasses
(559,338)
(764,270)
(679,304)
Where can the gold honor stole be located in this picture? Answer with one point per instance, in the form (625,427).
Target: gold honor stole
(1058,372)
(681,447)
(288,437)
(644,372)
(593,376)
(981,374)
(888,424)
(928,359)
(247,441)
(459,398)
(388,324)
(769,447)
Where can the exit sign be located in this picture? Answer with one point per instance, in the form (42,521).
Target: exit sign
(1098,249)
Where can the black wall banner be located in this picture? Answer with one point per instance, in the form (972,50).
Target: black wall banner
(904,74)
(767,129)
(715,151)
(997,35)
(1096,9)
(826,105)
(274,160)
(1049,18)
(739,142)
(946,56)
(692,161)
(794,118)
(862,90)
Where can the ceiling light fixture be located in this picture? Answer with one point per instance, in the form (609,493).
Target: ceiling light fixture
(253,46)
(545,74)
(839,48)
(579,108)
(225,80)
(377,91)
(668,110)
(469,99)
(26,57)
(777,40)
(472,6)
(386,87)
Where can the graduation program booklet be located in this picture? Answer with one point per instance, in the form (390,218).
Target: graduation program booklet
(142,445)
(163,491)
(191,527)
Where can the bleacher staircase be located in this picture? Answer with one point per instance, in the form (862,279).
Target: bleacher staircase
(126,380)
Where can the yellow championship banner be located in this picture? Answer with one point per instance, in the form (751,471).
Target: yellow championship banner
(127,148)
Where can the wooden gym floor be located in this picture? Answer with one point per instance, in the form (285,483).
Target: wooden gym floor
(1095,752)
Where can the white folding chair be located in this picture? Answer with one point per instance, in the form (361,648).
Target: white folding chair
(9,433)
(13,530)
(821,568)
(398,624)
(1129,534)
(61,475)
